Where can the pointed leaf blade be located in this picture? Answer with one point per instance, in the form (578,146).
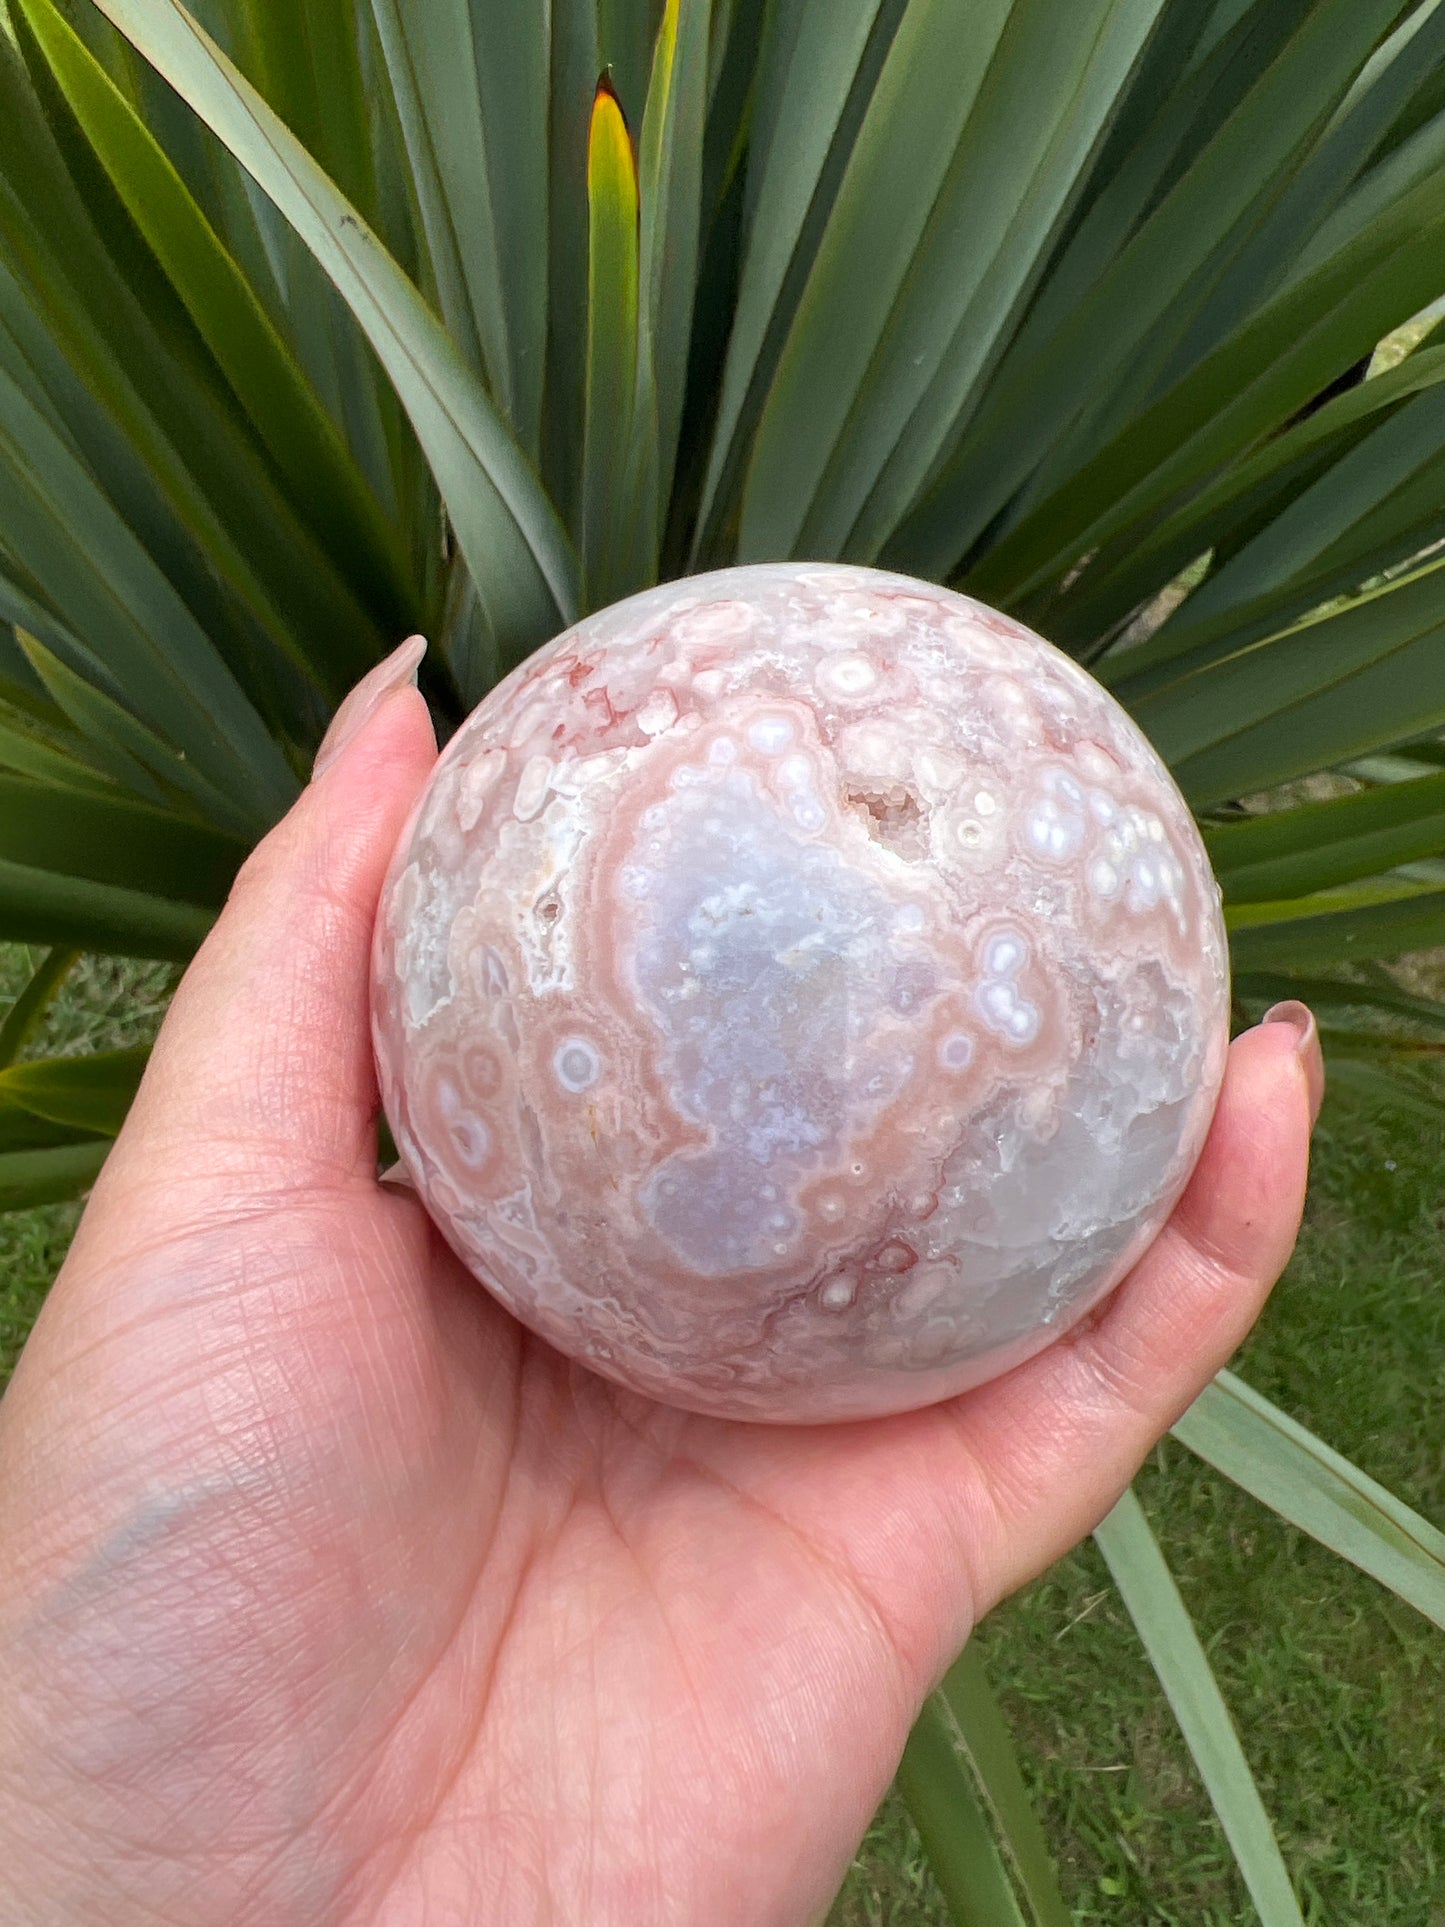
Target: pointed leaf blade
(1283,1465)
(615,427)
(1177,1654)
(50,1175)
(515,547)
(91,1093)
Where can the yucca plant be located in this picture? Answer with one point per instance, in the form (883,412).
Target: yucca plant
(328,320)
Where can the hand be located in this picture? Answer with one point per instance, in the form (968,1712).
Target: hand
(330,1595)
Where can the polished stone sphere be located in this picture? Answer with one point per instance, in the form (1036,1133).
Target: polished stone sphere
(800,993)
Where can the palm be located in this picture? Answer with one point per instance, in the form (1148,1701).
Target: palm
(364,1604)
(485,1583)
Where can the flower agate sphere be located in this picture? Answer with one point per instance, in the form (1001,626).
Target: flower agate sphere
(800,993)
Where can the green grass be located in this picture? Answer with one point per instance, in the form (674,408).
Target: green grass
(1338,1689)
(105,1004)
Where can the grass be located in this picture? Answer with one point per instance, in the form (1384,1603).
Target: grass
(1338,1689)
(105,1004)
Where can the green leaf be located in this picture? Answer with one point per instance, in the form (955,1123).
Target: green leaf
(47,749)
(1292,853)
(626,36)
(93,332)
(1327,690)
(1048,92)
(816,70)
(49,1176)
(103,583)
(953,1824)
(133,754)
(1380,504)
(1178,1657)
(1399,887)
(1379,1088)
(930,83)
(669,187)
(91,1093)
(1371,1047)
(1245,496)
(116,840)
(613,542)
(28,1008)
(471,82)
(960,1777)
(515,547)
(306,60)
(22,1130)
(1277,1461)
(1416,922)
(1191,81)
(1232,179)
(37,906)
(318,65)
(1252,384)
(575,64)
(1291,239)
(279,401)
(1379,993)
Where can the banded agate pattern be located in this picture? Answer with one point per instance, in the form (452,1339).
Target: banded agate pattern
(800,993)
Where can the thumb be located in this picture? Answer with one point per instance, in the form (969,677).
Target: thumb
(262,1080)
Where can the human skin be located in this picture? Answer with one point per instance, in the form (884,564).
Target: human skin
(328,1594)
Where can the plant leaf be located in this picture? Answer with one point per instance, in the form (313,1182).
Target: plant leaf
(472,84)
(816,70)
(1316,846)
(93,333)
(949,1813)
(48,750)
(38,906)
(28,1008)
(1327,690)
(103,583)
(1245,496)
(1376,507)
(1265,987)
(612,508)
(966,1754)
(132,753)
(277,398)
(670,186)
(91,1093)
(576,62)
(1148,1590)
(1038,396)
(1048,92)
(116,840)
(516,549)
(1277,1461)
(1382,1088)
(1416,922)
(50,1175)
(930,82)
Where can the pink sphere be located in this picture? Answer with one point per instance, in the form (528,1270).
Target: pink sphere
(800,993)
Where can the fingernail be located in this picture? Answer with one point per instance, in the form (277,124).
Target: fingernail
(1301,1020)
(370,693)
